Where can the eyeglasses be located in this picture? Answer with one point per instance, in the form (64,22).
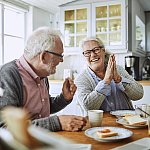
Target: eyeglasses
(95,50)
(59,55)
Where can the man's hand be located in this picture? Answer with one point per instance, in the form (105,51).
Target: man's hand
(72,123)
(68,89)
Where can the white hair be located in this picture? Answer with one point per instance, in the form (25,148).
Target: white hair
(40,40)
(82,42)
(100,43)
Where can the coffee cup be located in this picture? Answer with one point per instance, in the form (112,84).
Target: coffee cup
(95,117)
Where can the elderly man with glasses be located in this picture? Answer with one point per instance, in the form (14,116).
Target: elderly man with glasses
(25,84)
(103,84)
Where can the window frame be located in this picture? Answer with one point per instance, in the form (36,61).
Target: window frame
(3,6)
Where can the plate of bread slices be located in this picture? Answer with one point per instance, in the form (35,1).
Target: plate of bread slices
(108,134)
(122,113)
(132,121)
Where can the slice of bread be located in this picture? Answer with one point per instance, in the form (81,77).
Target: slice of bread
(102,134)
(135,120)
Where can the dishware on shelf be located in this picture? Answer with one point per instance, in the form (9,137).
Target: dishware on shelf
(122,134)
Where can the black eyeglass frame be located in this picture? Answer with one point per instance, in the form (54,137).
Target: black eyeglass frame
(93,50)
(59,55)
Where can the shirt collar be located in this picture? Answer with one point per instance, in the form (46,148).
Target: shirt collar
(27,67)
(94,76)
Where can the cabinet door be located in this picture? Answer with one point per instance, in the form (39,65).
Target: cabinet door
(75,26)
(109,24)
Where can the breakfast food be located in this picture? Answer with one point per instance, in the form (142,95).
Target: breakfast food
(135,120)
(106,133)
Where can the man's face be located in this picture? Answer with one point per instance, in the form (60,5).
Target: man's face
(95,55)
(54,58)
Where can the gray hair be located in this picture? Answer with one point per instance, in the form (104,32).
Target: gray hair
(40,40)
(100,43)
(82,42)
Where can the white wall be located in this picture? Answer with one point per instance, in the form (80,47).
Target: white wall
(40,18)
(73,62)
(146,97)
(37,17)
(139,11)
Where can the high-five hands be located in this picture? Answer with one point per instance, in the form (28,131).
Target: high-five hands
(68,89)
(111,71)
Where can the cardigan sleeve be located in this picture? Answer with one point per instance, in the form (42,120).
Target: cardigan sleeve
(11,83)
(51,123)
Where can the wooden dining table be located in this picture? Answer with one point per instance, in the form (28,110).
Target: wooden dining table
(108,120)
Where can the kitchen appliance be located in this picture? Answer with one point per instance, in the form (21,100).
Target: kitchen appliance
(132,66)
(146,69)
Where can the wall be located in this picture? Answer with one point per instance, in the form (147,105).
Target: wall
(136,9)
(73,62)
(40,18)
(146,97)
(37,17)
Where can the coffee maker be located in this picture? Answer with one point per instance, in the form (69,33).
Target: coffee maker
(132,66)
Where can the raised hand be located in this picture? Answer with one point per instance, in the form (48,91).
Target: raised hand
(68,89)
(116,75)
(72,123)
(109,70)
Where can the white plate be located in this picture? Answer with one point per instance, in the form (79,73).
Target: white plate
(121,113)
(126,124)
(122,134)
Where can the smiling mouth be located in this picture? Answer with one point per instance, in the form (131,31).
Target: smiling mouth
(95,60)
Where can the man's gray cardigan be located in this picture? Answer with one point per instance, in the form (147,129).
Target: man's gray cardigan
(11,82)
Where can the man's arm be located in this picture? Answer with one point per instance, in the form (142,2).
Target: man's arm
(11,83)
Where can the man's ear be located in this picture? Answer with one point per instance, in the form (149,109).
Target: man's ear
(43,57)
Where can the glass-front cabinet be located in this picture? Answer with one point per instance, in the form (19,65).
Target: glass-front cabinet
(109,24)
(105,20)
(75,26)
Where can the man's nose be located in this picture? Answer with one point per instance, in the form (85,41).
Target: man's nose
(61,59)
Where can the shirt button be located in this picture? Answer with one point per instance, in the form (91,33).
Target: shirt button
(43,100)
(38,84)
(111,103)
(40,115)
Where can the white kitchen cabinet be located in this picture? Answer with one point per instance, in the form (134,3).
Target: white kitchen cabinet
(75,25)
(106,20)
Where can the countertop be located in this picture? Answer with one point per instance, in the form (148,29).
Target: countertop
(143,82)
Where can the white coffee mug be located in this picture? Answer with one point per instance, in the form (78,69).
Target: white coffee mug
(95,117)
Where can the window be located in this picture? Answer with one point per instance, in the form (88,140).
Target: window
(13,33)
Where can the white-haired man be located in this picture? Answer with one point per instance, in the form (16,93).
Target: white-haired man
(25,82)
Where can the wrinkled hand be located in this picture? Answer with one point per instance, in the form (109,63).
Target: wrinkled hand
(109,70)
(72,123)
(69,88)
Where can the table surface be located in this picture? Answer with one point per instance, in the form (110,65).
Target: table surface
(108,120)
